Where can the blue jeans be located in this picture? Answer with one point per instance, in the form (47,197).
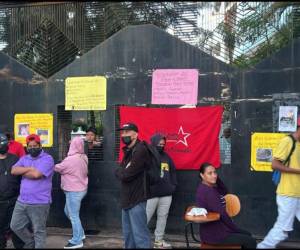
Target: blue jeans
(72,210)
(134,225)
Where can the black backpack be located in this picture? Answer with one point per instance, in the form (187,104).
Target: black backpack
(152,173)
(154,167)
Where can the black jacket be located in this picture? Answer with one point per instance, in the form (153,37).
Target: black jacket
(167,184)
(131,173)
(9,184)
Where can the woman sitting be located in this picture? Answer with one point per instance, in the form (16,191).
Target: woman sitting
(210,195)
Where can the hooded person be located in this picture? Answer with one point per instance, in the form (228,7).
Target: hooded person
(74,183)
(161,192)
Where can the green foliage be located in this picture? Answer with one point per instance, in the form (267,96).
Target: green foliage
(269,29)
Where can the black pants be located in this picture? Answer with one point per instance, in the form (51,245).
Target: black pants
(244,239)
(6,211)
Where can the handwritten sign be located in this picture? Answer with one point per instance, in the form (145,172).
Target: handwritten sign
(262,148)
(175,86)
(85,93)
(40,124)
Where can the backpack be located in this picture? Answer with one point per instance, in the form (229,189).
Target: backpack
(152,173)
(154,169)
(276,173)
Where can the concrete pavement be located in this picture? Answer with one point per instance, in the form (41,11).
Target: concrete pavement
(57,238)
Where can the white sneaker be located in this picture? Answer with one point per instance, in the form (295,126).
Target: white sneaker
(161,244)
(73,246)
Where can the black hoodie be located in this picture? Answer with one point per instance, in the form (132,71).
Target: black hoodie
(131,174)
(167,184)
(9,184)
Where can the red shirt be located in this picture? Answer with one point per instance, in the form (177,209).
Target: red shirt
(16,148)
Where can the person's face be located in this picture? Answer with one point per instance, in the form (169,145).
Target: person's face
(126,134)
(33,144)
(210,175)
(162,143)
(90,136)
(130,133)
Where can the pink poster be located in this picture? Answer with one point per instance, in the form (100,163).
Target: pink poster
(175,86)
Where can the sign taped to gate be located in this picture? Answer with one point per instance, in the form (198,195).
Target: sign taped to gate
(40,124)
(175,86)
(262,148)
(85,93)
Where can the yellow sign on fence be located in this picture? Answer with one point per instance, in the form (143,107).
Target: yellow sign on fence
(262,148)
(85,93)
(40,124)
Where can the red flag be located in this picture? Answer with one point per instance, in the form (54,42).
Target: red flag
(192,133)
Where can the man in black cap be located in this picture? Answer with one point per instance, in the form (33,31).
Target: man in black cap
(93,148)
(9,191)
(131,173)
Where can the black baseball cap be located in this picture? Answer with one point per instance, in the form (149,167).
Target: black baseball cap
(129,126)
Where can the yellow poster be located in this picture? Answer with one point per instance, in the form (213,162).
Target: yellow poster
(262,148)
(40,124)
(85,93)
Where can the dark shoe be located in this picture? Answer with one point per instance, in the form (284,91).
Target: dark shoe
(73,246)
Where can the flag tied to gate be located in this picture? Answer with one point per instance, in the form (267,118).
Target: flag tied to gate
(192,133)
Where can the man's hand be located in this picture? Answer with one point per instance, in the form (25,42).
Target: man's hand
(33,174)
(28,172)
(20,170)
(97,143)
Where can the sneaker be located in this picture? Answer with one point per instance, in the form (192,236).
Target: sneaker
(73,246)
(162,244)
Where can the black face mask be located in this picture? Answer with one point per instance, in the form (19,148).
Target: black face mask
(160,149)
(34,152)
(3,149)
(126,140)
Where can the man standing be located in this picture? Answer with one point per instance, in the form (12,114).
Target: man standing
(161,192)
(14,147)
(93,148)
(131,173)
(33,204)
(9,191)
(288,191)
